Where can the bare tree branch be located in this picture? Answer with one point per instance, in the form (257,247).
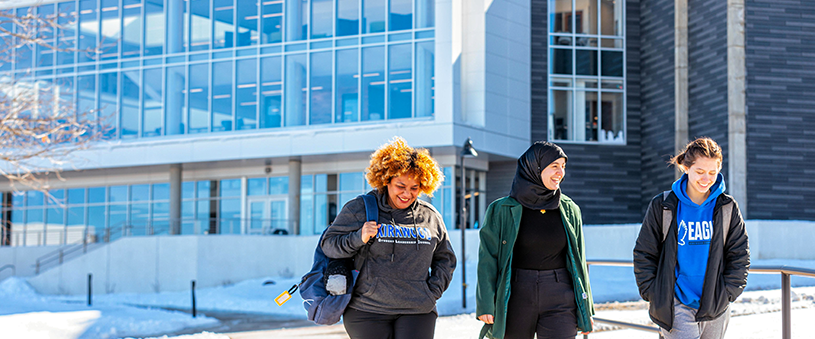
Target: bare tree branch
(40,124)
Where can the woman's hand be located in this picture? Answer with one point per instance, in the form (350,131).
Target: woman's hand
(487,318)
(369,230)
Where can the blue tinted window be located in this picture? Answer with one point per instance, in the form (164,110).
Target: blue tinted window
(5,53)
(425,13)
(322,19)
(176,100)
(247,22)
(246,94)
(222,96)
(154,27)
(279,185)
(347,17)
(230,188)
(139,192)
(45,55)
(111,29)
(108,95)
(401,15)
(296,89)
(223,23)
(347,100)
(131,28)
(321,84)
(204,188)
(351,181)
(201,25)
(35,198)
(400,81)
(373,16)
(188,190)
(76,217)
(152,92)
(297,20)
(66,35)
(96,221)
(373,83)
(86,92)
(425,83)
(270,95)
(96,195)
(22,54)
(230,214)
(257,186)
(118,194)
(88,26)
(306,184)
(320,183)
(131,87)
(306,214)
(272,20)
(199,98)
(17,199)
(55,216)
(76,196)
(162,191)
(58,195)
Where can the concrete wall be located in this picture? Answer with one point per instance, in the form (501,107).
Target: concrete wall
(169,263)
(23,259)
(164,263)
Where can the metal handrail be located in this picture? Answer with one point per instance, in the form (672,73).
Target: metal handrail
(786,307)
(13,270)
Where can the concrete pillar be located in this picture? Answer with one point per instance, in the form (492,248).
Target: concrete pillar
(736,104)
(175,199)
(680,77)
(295,171)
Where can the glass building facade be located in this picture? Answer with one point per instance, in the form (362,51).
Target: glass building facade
(104,213)
(155,68)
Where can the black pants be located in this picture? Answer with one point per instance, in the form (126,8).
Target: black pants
(541,302)
(365,325)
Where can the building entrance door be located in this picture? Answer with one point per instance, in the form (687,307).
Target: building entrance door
(267,215)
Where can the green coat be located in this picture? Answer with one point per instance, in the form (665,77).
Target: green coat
(498,233)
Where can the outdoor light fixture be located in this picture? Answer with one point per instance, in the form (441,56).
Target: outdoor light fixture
(466,151)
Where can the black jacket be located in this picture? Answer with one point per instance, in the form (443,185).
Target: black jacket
(655,262)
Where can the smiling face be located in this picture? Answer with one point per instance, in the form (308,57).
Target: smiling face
(402,191)
(553,174)
(701,175)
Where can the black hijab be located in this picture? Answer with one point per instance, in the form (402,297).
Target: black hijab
(528,187)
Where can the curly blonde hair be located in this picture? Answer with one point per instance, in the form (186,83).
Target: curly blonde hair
(396,158)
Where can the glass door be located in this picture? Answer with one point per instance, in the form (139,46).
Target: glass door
(267,215)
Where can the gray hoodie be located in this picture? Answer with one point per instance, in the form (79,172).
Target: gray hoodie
(408,264)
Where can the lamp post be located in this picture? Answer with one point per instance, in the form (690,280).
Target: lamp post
(466,151)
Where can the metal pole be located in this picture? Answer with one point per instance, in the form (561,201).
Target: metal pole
(90,284)
(786,326)
(193,299)
(463,225)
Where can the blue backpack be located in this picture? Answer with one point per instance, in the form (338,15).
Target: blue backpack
(324,308)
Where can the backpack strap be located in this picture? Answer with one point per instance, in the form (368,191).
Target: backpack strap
(667,216)
(727,213)
(371,209)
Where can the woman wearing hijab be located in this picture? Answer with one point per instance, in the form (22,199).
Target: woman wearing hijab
(532,276)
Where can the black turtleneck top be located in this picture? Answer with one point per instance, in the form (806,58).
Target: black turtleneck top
(541,241)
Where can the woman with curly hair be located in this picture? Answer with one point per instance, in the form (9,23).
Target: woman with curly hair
(407,256)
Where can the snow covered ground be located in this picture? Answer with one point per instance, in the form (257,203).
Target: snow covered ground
(26,314)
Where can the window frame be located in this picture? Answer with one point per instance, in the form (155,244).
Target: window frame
(573,77)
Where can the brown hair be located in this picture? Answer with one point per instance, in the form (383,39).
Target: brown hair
(701,147)
(396,158)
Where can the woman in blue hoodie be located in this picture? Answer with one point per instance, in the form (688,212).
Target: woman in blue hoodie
(692,253)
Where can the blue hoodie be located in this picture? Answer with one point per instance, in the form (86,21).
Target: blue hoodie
(695,229)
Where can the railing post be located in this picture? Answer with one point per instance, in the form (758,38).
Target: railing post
(37,267)
(786,300)
(61,255)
